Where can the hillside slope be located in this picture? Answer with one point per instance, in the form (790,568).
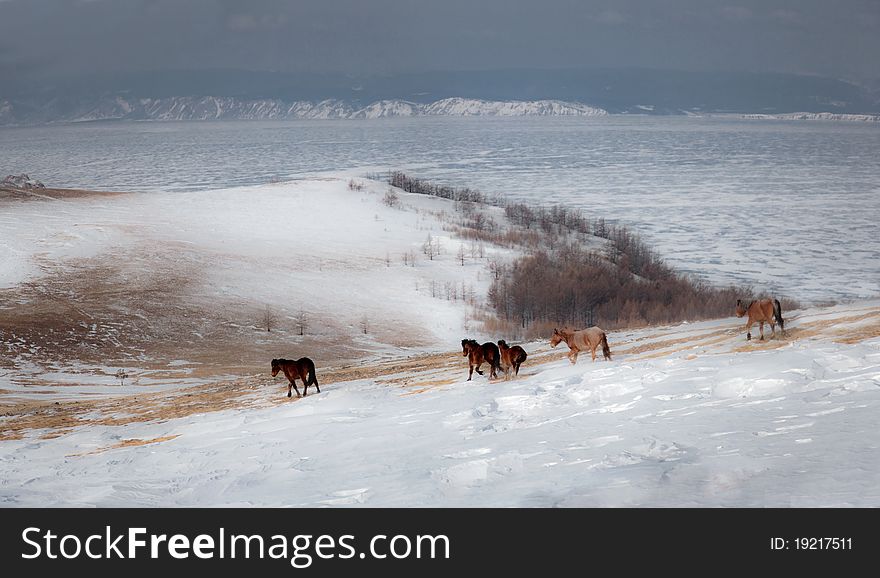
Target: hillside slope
(688,415)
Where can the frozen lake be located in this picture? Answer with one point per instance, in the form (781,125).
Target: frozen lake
(786,206)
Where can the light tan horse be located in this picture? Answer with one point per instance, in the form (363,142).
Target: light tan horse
(582,340)
(761,311)
(511,358)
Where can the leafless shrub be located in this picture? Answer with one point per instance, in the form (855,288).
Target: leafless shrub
(391,198)
(269,318)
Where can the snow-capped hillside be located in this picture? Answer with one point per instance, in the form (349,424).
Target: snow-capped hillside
(188,108)
(388,108)
(816,116)
(474,107)
(170,288)
(688,415)
(167,286)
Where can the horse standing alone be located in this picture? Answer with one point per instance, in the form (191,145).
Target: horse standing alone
(580,340)
(761,311)
(303,368)
(478,354)
(511,357)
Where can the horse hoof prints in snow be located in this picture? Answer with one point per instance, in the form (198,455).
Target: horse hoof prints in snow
(303,368)
(761,311)
(478,354)
(582,340)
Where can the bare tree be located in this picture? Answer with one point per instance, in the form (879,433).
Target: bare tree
(497,268)
(429,248)
(269,319)
(302,321)
(461,254)
(365,324)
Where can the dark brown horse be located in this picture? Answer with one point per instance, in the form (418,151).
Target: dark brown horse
(478,354)
(303,368)
(581,340)
(511,357)
(761,311)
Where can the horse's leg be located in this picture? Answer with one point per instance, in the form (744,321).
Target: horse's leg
(470,371)
(761,327)
(305,379)
(593,350)
(478,368)
(749,330)
(573,356)
(293,385)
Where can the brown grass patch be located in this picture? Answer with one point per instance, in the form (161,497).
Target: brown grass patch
(645,347)
(423,386)
(129,443)
(859,334)
(10,194)
(694,343)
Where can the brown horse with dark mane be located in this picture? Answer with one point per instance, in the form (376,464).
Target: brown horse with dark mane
(582,340)
(303,368)
(478,354)
(511,357)
(761,311)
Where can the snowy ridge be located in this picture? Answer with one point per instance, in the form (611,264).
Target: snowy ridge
(213,108)
(186,108)
(686,416)
(816,116)
(474,107)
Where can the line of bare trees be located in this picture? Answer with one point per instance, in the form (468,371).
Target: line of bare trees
(423,187)
(567,278)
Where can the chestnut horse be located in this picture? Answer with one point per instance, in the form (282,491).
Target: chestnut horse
(580,340)
(303,368)
(761,311)
(511,357)
(478,354)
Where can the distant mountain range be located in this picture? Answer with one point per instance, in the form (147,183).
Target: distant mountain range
(233,94)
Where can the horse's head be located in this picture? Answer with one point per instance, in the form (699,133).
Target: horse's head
(276,367)
(502,345)
(465,347)
(557,337)
(740,308)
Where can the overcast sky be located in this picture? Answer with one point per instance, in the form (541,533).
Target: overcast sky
(839,38)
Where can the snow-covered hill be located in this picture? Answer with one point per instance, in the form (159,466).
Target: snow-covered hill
(688,415)
(816,116)
(176,288)
(187,108)
(171,289)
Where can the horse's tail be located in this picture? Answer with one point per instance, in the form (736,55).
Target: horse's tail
(496,361)
(606,351)
(313,378)
(777,313)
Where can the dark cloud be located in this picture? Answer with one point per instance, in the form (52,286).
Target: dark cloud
(838,39)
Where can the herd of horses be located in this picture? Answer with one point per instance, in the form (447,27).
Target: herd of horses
(502,357)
